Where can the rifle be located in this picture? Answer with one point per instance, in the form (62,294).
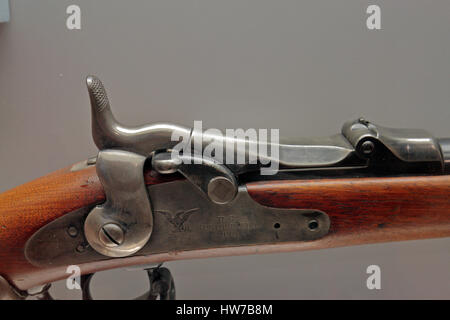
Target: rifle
(138,202)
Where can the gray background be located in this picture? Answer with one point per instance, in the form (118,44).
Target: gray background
(304,67)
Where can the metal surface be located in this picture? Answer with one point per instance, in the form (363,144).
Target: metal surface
(213,178)
(221,190)
(295,153)
(109,134)
(164,163)
(445,149)
(83,164)
(161,285)
(367,147)
(8,292)
(111,235)
(184,219)
(123,224)
(408,145)
(341,150)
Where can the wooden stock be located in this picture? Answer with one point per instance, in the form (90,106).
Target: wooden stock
(367,210)
(363,210)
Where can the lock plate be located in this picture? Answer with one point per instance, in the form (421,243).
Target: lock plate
(184,219)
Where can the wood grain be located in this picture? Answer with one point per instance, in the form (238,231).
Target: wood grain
(367,210)
(361,210)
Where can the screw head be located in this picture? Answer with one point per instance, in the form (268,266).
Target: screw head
(367,147)
(221,190)
(72,231)
(313,225)
(111,235)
